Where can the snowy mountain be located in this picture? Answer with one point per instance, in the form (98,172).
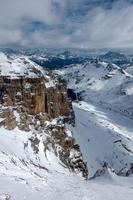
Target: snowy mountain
(45,141)
(25,175)
(103,114)
(102,83)
(115,57)
(34,139)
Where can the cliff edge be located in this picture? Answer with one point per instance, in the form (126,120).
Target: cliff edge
(34,99)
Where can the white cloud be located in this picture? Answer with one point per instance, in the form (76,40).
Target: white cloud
(66,23)
(10,36)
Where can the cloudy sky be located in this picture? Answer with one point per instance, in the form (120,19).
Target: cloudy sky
(66,23)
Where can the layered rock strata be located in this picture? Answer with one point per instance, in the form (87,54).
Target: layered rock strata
(30,99)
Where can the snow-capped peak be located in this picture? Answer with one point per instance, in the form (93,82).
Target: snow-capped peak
(15,66)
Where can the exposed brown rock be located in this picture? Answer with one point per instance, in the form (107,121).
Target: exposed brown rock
(66,149)
(28,103)
(31,97)
(34,95)
(9,120)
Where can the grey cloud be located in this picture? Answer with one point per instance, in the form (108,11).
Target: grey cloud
(66,23)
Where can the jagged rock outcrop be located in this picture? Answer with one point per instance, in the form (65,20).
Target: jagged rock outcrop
(30,99)
(31,96)
(30,91)
(65,147)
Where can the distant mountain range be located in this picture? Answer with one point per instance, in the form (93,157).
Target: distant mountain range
(58,58)
(115,57)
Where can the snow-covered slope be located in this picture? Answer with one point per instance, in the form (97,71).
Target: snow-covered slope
(30,167)
(25,175)
(104,126)
(104,137)
(102,83)
(16,66)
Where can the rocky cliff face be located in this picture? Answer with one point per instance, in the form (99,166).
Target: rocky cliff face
(32,96)
(31,99)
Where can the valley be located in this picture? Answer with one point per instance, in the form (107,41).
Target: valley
(50,147)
